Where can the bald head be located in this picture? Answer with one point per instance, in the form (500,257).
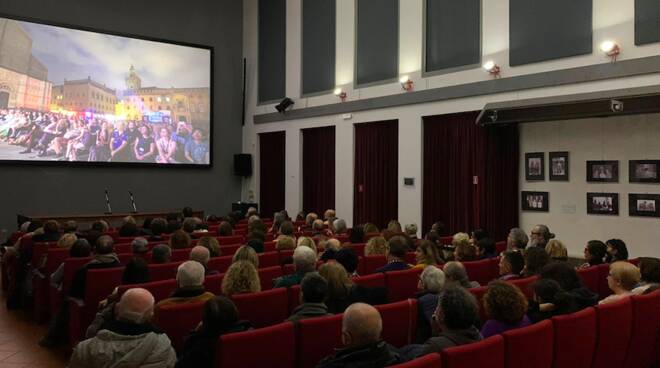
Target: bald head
(333,244)
(361,325)
(200,254)
(135,306)
(317,225)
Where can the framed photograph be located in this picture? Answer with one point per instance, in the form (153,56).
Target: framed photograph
(603,171)
(534,166)
(603,203)
(643,171)
(645,205)
(558,166)
(535,201)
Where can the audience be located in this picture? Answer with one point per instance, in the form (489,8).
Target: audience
(212,244)
(241,278)
(396,253)
(158,228)
(180,240)
(349,259)
(456,274)
(506,307)
(304,261)
(104,258)
(650,274)
(411,231)
(463,250)
(190,285)
(342,292)
(511,265)
(550,300)
(284,242)
(225,229)
(569,280)
(616,251)
(517,239)
(594,253)
(535,259)
(129,227)
(556,250)
(486,248)
(79,249)
(161,253)
(427,254)
(339,226)
(370,228)
(376,246)
(331,247)
(313,293)
(67,240)
(50,232)
(622,279)
(202,256)
(246,253)
(356,235)
(540,236)
(439,228)
(140,246)
(476,235)
(431,283)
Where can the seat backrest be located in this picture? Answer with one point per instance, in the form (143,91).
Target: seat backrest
(177,320)
(263,309)
(485,353)
(479,293)
(265,347)
(293,295)
(123,248)
(227,240)
(525,285)
(213,283)
(124,258)
(269,246)
(603,288)
(410,258)
(359,248)
(100,283)
(399,321)
(54,259)
(372,263)
(71,265)
(645,330)
(285,255)
(529,346)
(343,238)
(481,271)
(163,271)
(432,360)
(161,289)
(220,264)
(500,247)
(229,250)
(614,321)
(268,259)
(371,235)
(317,338)
(180,255)
(575,339)
(402,285)
(267,275)
(589,277)
(373,280)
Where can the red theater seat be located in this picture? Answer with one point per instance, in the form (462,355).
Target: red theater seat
(269,246)
(263,309)
(293,294)
(269,259)
(373,280)
(220,264)
(614,321)
(479,295)
(402,285)
(317,338)
(267,275)
(589,278)
(399,322)
(575,339)
(500,247)
(529,346)
(229,250)
(163,271)
(485,353)
(644,344)
(370,235)
(285,255)
(272,347)
(54,257)
(372,263)
(159,289)
(343,238)
(213,283)
(432,360)
(525,285)
(180,255)
(482,271)
(177,320)
(603,289)
(123,248)
(227,240)
(359,248)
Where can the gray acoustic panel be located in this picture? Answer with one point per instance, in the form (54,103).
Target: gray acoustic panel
(453,34)
(541,30)
(318,45)
(377,41)
(647,21)
(272,50)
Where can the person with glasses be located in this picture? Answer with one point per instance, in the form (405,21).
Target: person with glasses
(623,277)
(540,236)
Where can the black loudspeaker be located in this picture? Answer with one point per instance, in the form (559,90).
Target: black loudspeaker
(243,164)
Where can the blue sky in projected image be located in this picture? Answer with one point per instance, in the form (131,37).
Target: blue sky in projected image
(71,54)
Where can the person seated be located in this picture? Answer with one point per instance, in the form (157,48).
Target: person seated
(158,228)
(540,236)
(129,227)
(79,249)
(180,240)
(284,242)
(313,292)
(411,231)
(330,248)
(225,229)
(349,259)
(356,235)
(363,346)
(50,232)
(246,253)
(486,248)
(306,241)
(427,254)
(105,257)
(304,261)
(511,265)
(476,235)
(329,214)
(212,244)
(128,340)
(463,251)
(342,291)
(161,253)
(557,250)
(191,224)
(140,246)
(430,285)
(649,269)
(616,251)
(396,254)
(286,229)
(339,227)
(549,300)
(455,273)
(623,278)
(506,307)
(535,259)
(594,253)
(241,278)
(220,317)
(517,239)
(569,280)
(190,285)
(318,229)
(202,255)
(376,246)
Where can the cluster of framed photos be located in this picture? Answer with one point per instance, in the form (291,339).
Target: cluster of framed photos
(639,171)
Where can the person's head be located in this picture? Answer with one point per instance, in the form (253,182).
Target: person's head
(180,240)
(649,268)
(477,234)
(135,306)
(200,254)
(485,247)
(347,258)
(190,274)
(187,212)
(432,280)
(212,244)
(375,246)
(517,239)
(248,254)
(161,253)
(219,316)
(128,220)
(70,226)
(457,309)
(549,291)
(144,130)
(465,252)
(256,235)
(504,302)
(285,242)
(340,226)
(556,250)
(439,227)
(190,224)
(540,235)
(563,273)
(317,225)
(287,228)
(250,212)
(623,277)
(594,252)
(313,288)
(455,273)
(51,227)
(310,218)
(140,245)
(339,283)
(305,241)
(332,244)
(80,249)
(241,277)
(361,325)
(396,248)
(511,262)
(329,213)
(197,135)
(67,240)
(616,250)
(356,234)
(370,228)
(411,230)
(100,226)
(104,245)
(304,260)
(427,253)
(460,239)
(225,229)
(535,259)
(158,226)
(135,272)
(394,226)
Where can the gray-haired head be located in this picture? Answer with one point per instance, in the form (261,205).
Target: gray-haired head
(140,245)
(340,226)
(190,274)
(304,259)
(517,239)
(455,272)
(200,254)
(433,279)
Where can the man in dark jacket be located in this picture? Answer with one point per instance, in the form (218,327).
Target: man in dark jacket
(396,254)
(104,258)
(363,347)
(314,289)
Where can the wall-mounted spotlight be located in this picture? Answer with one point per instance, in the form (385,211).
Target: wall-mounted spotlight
(285,105)
(341,94)
(406,83)
(610,49)
(492,68)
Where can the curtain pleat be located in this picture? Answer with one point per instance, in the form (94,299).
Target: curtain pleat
(318,172)
(272,159)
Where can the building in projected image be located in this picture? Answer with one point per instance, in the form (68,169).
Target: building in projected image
(23,79)
(84,95)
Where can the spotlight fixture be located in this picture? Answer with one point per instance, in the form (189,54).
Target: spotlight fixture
(492,68)
(406,83)
(286,104)
(610,49)
(341,94)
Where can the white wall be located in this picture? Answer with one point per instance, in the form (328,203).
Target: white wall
(612,19)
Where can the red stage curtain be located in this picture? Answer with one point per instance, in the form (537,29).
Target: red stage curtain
(375,196)
(272,158)
(318,170)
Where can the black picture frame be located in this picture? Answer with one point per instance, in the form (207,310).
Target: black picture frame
(530,201)
(558,164)
(644,171)
(603,171)
(644,205)
(535,166)
(603,204)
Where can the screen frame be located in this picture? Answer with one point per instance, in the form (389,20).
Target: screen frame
(209,48)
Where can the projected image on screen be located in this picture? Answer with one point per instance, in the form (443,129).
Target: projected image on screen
(74,96)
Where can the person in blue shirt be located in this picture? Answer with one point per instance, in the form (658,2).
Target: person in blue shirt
(197,151)
(181,136)
(396,255)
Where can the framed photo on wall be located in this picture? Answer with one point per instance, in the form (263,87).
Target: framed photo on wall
(645,205)
(603,171)
(535,201)
(534,166)
(643,171)
(558,166)
(603,203)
